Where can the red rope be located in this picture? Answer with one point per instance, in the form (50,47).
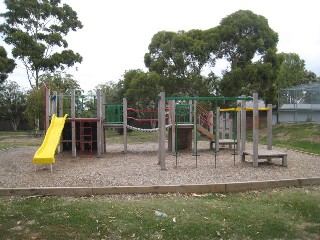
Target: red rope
(144,119)
(142,110)
(205,121)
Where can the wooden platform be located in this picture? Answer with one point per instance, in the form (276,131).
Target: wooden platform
(268,154)
(225,142)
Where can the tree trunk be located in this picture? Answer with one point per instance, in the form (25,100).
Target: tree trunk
(15,124)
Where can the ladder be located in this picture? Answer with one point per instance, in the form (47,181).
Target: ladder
(86,139)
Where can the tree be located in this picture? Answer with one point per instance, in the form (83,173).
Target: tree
(12,103)
(243,36)
(292,71)
(310,77)
(36,30)
(179,58)
(249,44)
(7,65)
(259,77)
(62,83)
(112,91)
(141,88)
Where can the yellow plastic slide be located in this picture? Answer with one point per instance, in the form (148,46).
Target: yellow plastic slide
(45,154)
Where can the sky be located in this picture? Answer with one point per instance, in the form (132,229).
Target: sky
(116,33)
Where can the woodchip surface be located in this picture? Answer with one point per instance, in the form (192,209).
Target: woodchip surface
(139,168)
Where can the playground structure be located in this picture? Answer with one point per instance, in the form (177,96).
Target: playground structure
(182,117)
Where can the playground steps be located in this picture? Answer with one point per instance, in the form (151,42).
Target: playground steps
(205,132)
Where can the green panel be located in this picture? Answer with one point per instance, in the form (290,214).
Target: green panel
(183,113)
(114,114)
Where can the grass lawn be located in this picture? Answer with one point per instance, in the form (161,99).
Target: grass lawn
(274,214)
(299,136)
(18,139)
(113,137)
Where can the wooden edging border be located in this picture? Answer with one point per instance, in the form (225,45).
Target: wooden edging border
(162,189)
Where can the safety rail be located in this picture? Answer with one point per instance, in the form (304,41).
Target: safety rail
(204,117)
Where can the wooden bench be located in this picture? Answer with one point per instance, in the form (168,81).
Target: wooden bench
(225,142)
(268,154)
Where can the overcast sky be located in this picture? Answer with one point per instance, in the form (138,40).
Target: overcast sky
(116,34)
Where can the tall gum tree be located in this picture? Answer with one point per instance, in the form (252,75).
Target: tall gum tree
(7,65)
(244,35)
(36,31)
(179,58)
(250,46)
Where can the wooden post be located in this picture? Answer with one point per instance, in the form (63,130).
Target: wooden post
(73,123)
(243,127)
(190,111)
(103,143)
(125,123)
(173,128)
(238,131)
(162,131)
(53,110)
(217,135)
(61,115)
(269,126)
(194,150)
(47,110)
(230,121)
(159,126)
(255,129)
(61,105)
(211,129)
(54,102)
(99,123)
(210,120)
(223,124)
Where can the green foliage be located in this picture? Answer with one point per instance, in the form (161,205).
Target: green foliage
(141,88)
(12,103)
(253,78)
(7,65)
(36,30)
(292,71)
(35,107)
(182,59)
(273,214)
(112,91)
(243,35)
(62,83)
(179,58)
